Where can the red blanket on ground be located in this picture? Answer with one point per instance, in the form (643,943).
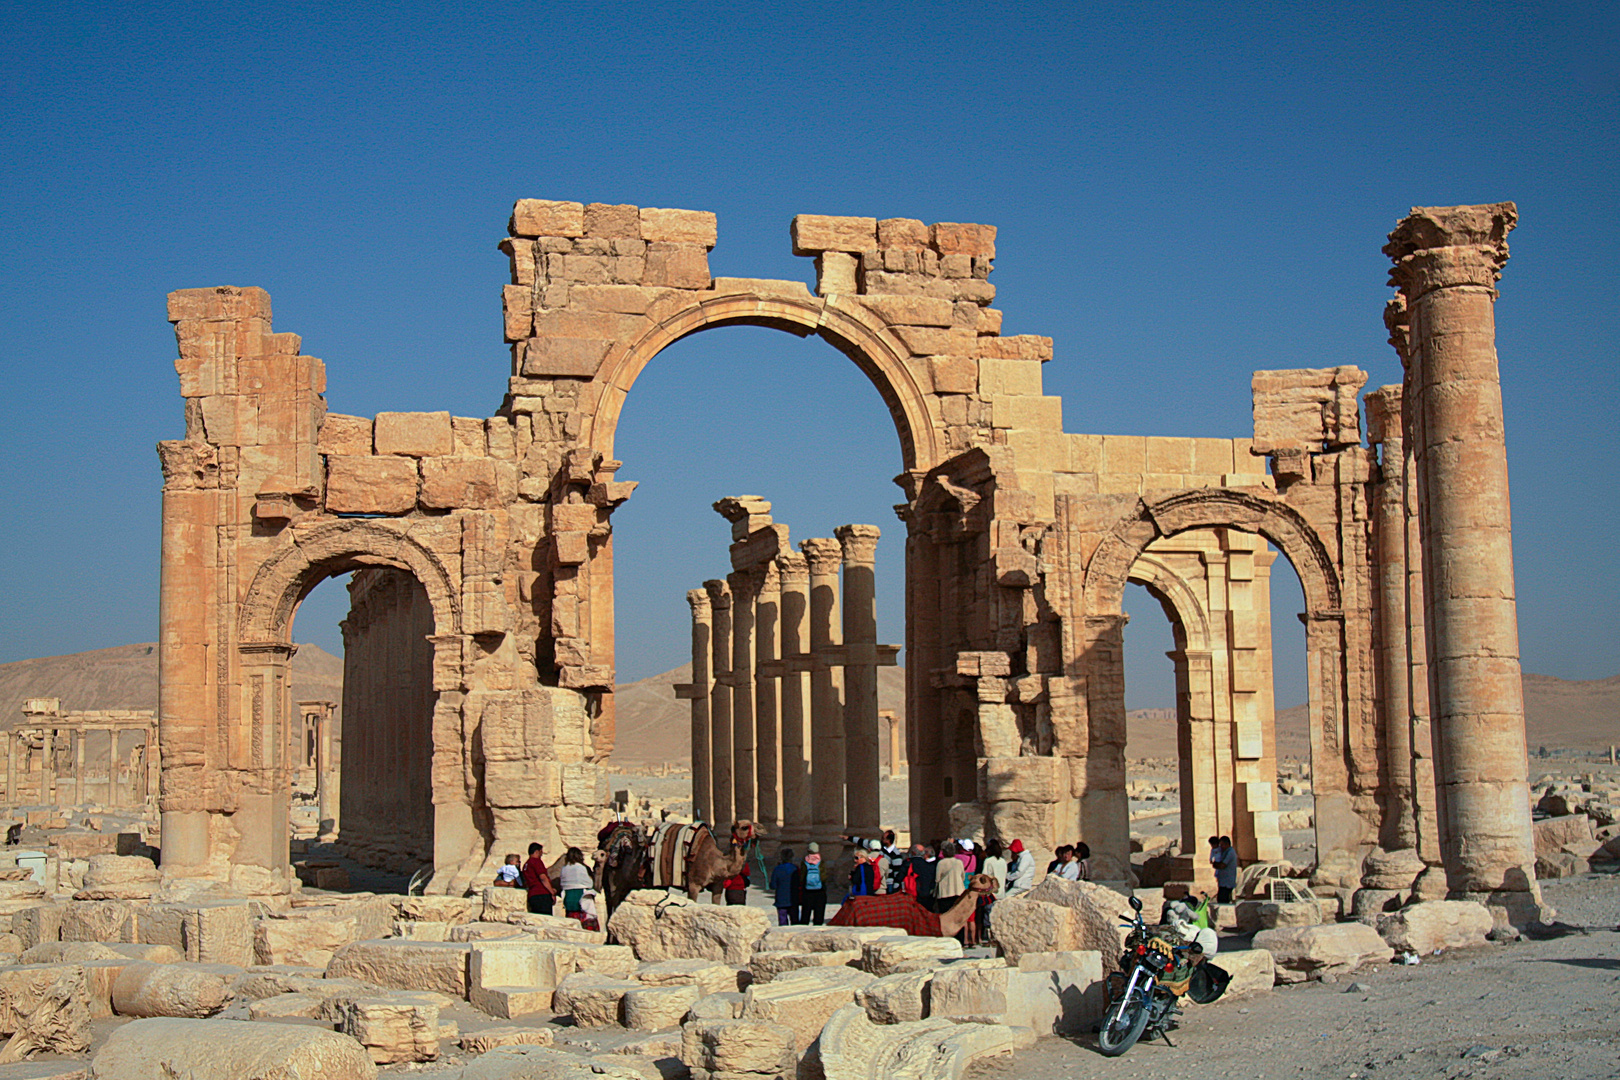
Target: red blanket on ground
(893,909)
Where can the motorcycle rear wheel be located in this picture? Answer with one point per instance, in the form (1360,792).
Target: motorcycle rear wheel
(1122,1026)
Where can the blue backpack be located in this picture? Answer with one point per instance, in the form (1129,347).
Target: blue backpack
(812,875)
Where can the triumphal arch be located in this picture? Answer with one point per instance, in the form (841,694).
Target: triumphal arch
(480,654)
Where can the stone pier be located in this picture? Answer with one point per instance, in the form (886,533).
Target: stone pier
(1447,261)
(697,692)
(826,687)
(722,771)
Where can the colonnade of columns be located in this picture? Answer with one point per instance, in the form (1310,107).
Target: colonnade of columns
(31,756)
(784,695)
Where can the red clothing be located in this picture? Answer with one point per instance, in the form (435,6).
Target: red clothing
(738,882)
(895,910)
(537,878)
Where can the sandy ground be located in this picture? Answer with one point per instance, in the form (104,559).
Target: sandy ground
(1531,1009)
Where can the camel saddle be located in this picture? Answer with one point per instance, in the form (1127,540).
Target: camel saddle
(672,845)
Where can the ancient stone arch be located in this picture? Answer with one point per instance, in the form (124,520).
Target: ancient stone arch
(1019,539)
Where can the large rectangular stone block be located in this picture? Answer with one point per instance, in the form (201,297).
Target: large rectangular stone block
(815,233)
(414,434)
(370,485)
(450,483)
(698,227)
(405,965)
(547,217)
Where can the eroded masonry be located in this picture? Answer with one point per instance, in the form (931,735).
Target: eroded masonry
(487,551)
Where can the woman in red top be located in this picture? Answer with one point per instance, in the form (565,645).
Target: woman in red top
(537,879)
(737,888)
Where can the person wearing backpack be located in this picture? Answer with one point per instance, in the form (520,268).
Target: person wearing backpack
(812,888)
(917,879)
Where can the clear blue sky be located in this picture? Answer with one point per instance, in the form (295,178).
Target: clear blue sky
(1182,198)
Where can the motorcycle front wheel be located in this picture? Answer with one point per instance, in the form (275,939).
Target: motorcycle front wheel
(1123,1026)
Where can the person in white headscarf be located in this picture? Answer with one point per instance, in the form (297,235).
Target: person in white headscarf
(1179,917)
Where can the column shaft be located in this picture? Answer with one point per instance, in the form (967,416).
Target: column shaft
(861,768)
(767,739)
(1399,830)
(798,803)
(826,687)
(720,704)
(702,685)
(745,780)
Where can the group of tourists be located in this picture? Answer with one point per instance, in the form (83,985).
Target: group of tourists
(569,877)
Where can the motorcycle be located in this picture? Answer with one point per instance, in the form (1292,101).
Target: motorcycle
(1144,995)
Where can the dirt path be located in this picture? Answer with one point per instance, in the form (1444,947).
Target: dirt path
(1538,1010)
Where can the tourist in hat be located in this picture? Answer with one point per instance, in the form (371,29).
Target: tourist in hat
(967,854)
(1020,869)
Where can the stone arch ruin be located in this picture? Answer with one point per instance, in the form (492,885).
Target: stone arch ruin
(1019,538)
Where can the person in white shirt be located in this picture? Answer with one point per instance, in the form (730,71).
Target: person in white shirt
(574,880)
(1021,870)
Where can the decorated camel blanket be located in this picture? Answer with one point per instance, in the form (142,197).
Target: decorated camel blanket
(671,845)
(894,910)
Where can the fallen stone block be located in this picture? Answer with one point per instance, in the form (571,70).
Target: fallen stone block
(822,938)
(707,975)
(307,941)
(725,1006)
(1024,926)
(46,1007)
(391,1029)
(263,982)
(896,999)
(592,1000)
(98,920)
(421,931)
(677,931)
(287,1007)
(1553,833)
(1097,913)
(446,909)
(1437,924)
(1253,971)
(186,990)
(655,1008)
(487,931)
(482,1042)
(852,1047)
(804,1000)
(739,1049)
(207,932)
(42,922)
(890,956)
(1048,1002)
(1273,915)
(614,961)
(501,901)
(404,965)
(164,1049)
(77,952)
(544,1063)
(1309,951)
(512,1002)
(766,966)
(120,877)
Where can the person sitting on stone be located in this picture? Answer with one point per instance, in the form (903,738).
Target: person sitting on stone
(512,872)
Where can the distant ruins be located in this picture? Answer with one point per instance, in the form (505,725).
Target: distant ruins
(484,615)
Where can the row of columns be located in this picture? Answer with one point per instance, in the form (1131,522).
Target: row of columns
(784,702)
(20,751)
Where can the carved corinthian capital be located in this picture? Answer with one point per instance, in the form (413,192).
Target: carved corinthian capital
(1437,247)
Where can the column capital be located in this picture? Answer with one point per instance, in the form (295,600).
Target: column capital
(719,595)
(859,543)
(794,569)
(770,579)
(699,600)
(1438,247)
(745,585)
(825,556)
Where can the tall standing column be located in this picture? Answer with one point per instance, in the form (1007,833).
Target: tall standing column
(826,687)
(744,591)
(1447,261)
(861,767)
(720,703)
(78,769)
(1399,830)
(767,742)
(793,696)
(698,691)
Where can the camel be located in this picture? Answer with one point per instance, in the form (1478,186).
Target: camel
(901,912)
(624,863)
(707,867)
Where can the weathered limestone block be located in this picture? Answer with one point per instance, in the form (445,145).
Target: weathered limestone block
(1338,869)
(79,952)
(42,922)
(707,975)
(444,909)
(896,999)
(852,1047)
(1553,834)
(739,1050)
(119,877)
(1097,912)
(58,991)
(1253,971)
(547,217)
(823,938)
(391,1029)
(484,931)
(1271,916)
(1048,1002)
(1391,869)
(307,942)
(544,1063)
(98,920)
(345,435)
(1034,926)
(405,965)
(804,1000)
(684,931)
(766,966)
(413,434)
(1307,951)
(1307,409)
(614,961)
(459,483)
(420,931)
(287,1007)
(194,990)
(1369,905)
(1437,924)
(592,1000)
(907,954)
(258,983)
(724,1006)
(163,1049)
(655,1008)
(484,1041)
(501,901)
(812,234)
(370,485)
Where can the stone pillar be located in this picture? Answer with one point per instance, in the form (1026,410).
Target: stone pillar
(744,777)
(1447,261)
(798,813)
(11,770)
(861,770)
(47,769)
(767,740)
(1105,809)
(78,769)
(701,686)
(1399,829)
(720,703)
(826,687)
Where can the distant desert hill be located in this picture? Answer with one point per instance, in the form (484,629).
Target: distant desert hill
(126,677)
